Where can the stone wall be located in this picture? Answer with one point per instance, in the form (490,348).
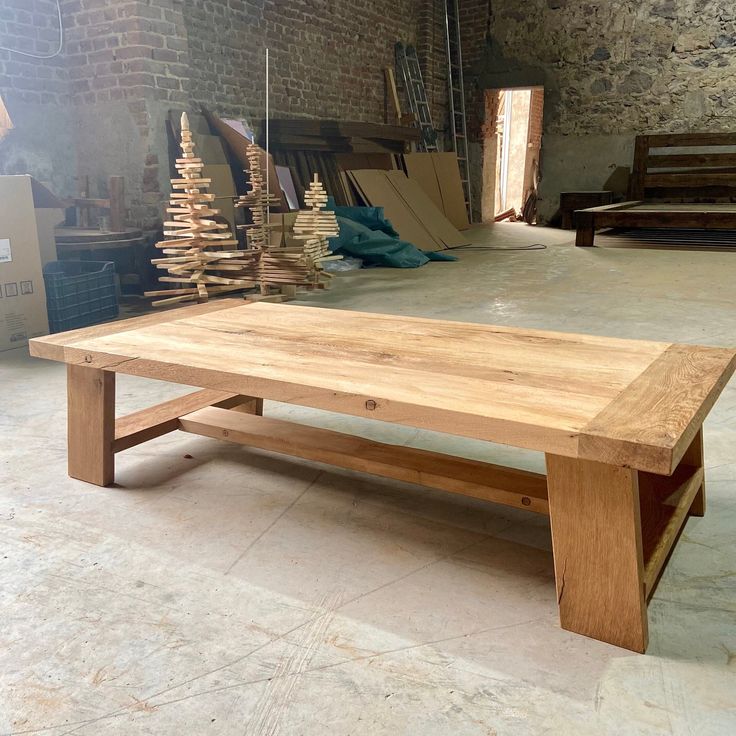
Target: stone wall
(612,70)
(100,107)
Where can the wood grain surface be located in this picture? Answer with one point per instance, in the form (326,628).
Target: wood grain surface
(623,402)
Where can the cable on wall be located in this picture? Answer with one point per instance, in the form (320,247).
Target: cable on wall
(43,56)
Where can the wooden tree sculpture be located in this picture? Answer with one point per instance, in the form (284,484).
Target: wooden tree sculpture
(258,201)
(292,265)
(314,226)
(193,254)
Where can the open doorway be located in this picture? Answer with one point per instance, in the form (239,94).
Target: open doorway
(512,144)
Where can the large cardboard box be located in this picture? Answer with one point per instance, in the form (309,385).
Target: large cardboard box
(28,212)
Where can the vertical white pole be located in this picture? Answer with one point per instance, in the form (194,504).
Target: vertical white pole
(268,168)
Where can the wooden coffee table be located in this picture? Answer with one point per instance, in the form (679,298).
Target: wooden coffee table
(620,421)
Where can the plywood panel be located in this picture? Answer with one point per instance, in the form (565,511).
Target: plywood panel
(422,206)
(378,191)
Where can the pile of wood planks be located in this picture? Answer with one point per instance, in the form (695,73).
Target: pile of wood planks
(336,136)
(330,148)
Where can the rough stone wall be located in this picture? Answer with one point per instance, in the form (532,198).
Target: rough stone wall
(612,70)
(649,65)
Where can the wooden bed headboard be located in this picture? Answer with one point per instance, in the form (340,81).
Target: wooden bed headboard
(702,169)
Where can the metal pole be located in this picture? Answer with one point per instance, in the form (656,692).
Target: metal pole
(268,160)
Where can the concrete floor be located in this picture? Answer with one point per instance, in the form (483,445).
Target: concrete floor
(219,590)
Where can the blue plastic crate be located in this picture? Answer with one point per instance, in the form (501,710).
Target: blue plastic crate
(79,293)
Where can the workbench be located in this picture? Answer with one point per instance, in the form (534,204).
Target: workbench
(620,421)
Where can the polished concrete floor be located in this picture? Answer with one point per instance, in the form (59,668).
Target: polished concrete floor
(217,590)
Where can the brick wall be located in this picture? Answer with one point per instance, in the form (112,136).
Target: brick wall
(126,62)
(35,92)
(433,61)
(327,58)
(474,27)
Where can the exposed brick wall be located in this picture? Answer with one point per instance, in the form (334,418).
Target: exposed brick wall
(128,63)
(432,54)
(35,92)
(125,63)
(474,28)
(327,58)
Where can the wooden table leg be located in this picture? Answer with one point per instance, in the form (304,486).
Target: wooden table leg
(694,457)
(91,424)
(597,545)
(585,235)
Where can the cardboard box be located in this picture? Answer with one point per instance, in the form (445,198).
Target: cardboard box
(28,212)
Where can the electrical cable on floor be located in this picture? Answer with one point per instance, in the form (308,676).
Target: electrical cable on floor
(43,56)
(532,246)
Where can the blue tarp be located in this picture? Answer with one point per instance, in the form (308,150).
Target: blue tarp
(366,234)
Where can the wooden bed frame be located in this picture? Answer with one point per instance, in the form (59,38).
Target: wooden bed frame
(619,421)
(690,188)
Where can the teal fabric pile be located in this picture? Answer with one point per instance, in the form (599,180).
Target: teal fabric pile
(365,233)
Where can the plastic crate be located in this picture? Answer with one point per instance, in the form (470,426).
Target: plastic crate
(79,293)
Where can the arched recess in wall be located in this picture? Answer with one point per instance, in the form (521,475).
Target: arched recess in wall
(6,124)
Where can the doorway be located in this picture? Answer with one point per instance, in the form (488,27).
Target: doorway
(512,144)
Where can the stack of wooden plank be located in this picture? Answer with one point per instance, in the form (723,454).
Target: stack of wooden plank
(337,136)
(330,148)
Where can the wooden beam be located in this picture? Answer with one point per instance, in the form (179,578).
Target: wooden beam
(636,183)
(517,488)
(689,160)
(665,504)
(689,179)
(694,458)
(53,347)
(678,140)
(91,424)
(597,545)
(154,421)
(650,425)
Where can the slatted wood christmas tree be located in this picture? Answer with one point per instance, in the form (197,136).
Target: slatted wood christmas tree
(194,251)
(314,226)
(258,200)
(275,266)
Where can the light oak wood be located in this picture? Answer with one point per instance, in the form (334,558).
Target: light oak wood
(572,395)
(620,421)
(517,488)
(693,458)
(654,420)
(665,504)
(147,424)
(91,424)
(596,537)
(193,233)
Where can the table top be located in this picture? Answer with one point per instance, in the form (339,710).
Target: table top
(624,402)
